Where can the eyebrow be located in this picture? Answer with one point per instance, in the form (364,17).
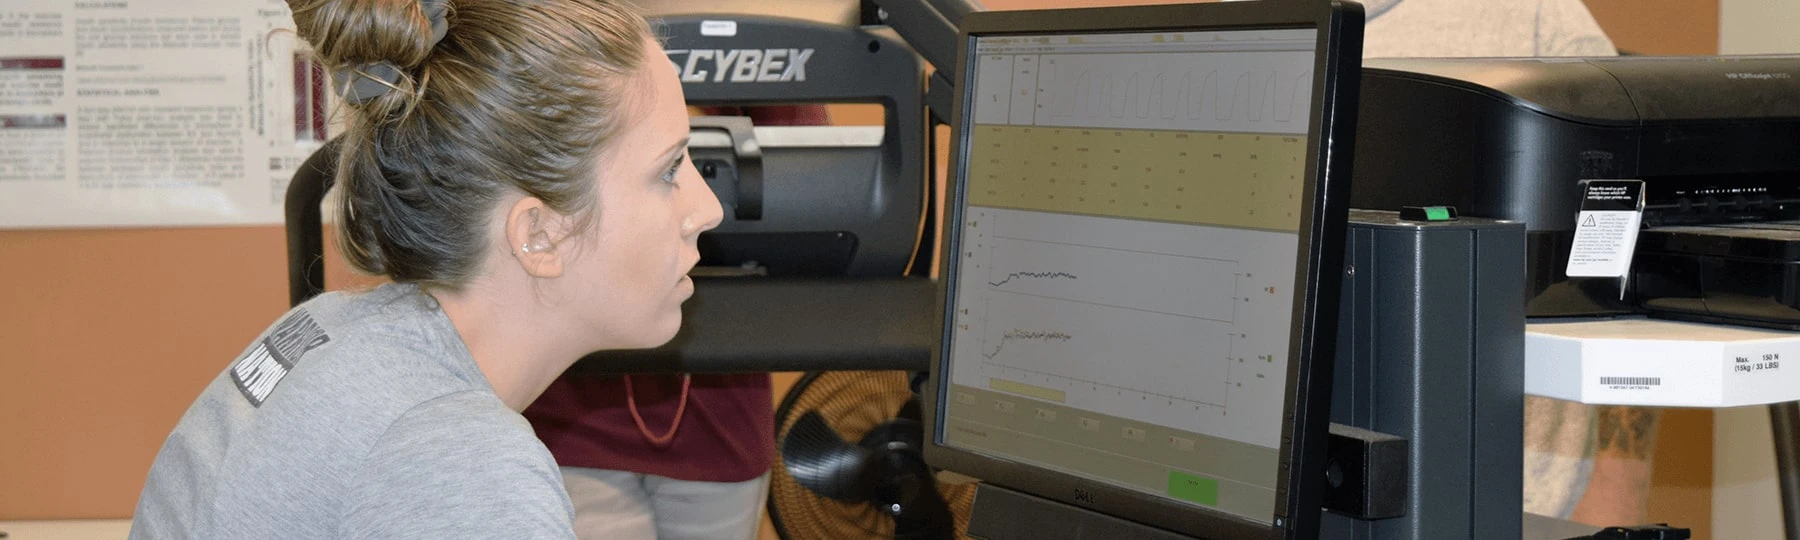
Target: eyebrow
(683,143)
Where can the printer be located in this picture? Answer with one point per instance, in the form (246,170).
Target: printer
(1716,141)
(1432,336)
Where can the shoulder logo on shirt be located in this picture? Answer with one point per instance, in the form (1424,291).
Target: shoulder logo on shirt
(258,371)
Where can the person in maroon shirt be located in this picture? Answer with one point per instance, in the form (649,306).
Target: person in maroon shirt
(667,457)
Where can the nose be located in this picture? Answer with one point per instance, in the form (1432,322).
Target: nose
(703,209)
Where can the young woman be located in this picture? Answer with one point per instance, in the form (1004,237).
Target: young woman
(518,169)
(661,456)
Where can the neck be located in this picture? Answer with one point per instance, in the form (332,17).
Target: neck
(519,354)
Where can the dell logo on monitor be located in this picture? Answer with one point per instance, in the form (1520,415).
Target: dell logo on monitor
(1084,496)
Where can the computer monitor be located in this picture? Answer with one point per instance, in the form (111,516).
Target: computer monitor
(1144,240)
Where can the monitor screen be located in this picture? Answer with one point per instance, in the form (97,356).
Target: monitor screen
(1130,250)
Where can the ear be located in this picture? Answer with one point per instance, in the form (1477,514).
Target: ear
(530,228)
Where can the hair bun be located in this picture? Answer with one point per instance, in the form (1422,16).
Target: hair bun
(373,43)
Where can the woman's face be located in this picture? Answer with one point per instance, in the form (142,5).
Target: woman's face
(652,206)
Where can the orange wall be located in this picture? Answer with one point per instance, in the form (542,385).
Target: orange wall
(107,335)
(1660,27)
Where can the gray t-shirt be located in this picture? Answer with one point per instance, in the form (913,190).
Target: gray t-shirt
(356,415)
(1463,28)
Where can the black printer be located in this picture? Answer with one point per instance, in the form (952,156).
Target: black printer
(1715,139)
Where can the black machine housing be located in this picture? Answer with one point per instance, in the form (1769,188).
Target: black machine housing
(806,210)
(1713,138)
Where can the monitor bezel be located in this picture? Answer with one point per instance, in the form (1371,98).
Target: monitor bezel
(1301,472)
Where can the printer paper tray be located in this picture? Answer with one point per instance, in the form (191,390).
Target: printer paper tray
(1743,273)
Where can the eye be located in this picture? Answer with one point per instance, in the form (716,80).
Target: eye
(668,176)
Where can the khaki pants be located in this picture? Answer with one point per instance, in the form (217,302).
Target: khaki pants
(619,505)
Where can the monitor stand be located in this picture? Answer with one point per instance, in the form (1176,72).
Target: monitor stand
(1001,513)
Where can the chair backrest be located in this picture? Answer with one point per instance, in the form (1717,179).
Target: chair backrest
(305,232)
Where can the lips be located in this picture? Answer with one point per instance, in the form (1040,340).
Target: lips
(688,267)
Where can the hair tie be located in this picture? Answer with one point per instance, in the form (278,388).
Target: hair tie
(364,82)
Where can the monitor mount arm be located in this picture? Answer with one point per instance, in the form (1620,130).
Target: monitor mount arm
(931,28)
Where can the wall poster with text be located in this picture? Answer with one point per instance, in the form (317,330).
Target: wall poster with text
(152,112)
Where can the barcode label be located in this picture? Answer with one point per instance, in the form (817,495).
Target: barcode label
(1631,381)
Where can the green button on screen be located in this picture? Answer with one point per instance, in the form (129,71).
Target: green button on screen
(1191,488)
(1436,213)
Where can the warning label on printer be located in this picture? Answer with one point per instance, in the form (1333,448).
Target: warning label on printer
(1606,229)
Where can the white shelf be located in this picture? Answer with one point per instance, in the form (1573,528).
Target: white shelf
(1637,361)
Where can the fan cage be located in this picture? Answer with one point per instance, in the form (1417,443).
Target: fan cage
(852,403)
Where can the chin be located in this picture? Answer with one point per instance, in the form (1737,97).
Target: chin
(660,334)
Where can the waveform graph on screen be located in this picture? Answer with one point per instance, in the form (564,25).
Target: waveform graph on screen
(1031,275)
(1151,321)
(1165,284)
(1026,335)
(1062,315)
(1077,350)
